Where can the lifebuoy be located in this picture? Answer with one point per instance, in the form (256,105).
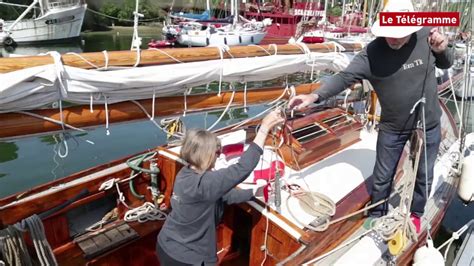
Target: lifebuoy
(8,41)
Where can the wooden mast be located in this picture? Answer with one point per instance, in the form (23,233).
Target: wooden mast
(16,124)
(163,56)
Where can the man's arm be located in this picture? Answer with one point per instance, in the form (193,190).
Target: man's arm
(439,45)
(444,60)
(358,69)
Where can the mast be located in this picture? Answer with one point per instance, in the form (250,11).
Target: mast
(136,40)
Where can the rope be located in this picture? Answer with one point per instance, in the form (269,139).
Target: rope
(222,49)
(153,105)
(265,50)
(455,236)
(108,217)
(175,134)
(121,197)
(43,249)
(106,115)
(50,120)
(13,248)
(225,110)
(167,54)
(389,224)
(245,97)
(144,213)
(322,207)
(85,60)
(264,246)
(120,19)
(106,57)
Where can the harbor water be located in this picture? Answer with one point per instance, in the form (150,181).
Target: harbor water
(30,161)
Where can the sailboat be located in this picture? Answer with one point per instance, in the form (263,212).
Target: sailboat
(51,21)
(318,164)
(236,33)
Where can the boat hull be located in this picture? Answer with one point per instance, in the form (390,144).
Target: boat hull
(200,39)
(54,25)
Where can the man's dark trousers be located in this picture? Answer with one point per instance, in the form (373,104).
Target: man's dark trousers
(389,149)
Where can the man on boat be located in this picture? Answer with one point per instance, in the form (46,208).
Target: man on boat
(400,64)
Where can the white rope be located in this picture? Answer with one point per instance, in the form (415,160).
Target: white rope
(176,134)
(225,110)
(455,236)
(106,57)
(348,92)
(265,50)
(108,217)
(275,47)
(106,116)
(153,105)
(186,92)
(167,54)
(252,118)
(91,104)
(65,145)
(264,246)
(144,213)
(121,197)
(245,97)
(85,60)
(138,55)
(50,120)
(285,91)
(222,49)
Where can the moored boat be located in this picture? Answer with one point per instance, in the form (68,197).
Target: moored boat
(57,20)
(325,154)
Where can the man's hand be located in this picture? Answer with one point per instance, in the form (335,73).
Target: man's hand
(301,101)
(437,41)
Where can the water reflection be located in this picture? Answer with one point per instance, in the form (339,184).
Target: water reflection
(8,151)
(73,46)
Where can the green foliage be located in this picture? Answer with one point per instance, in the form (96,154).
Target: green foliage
(124,12)
(335,11)
(10,12)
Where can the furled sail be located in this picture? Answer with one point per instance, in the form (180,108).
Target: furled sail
(35,87)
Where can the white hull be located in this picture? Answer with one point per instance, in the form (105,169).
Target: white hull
(56,24)
(220,38)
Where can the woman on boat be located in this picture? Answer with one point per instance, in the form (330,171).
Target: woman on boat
(188,236)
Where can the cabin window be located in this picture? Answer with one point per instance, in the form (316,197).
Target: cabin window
(59,20)
(308,132)
(52,4)
(86,215)
(336,121)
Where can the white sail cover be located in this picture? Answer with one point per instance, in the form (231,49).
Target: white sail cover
(38,86)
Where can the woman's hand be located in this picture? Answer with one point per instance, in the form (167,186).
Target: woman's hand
(272,119)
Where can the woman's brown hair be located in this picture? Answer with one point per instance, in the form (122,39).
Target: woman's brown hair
(200,148)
